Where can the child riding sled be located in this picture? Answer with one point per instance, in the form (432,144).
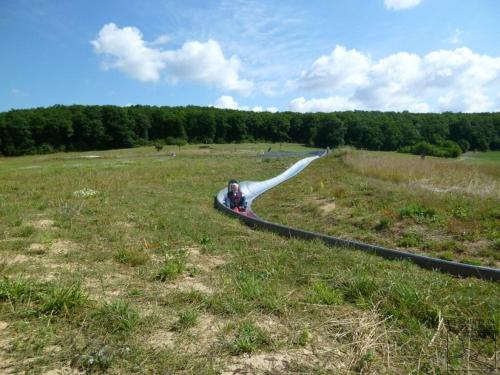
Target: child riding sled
(235,199)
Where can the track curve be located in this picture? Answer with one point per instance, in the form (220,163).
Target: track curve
(253,189)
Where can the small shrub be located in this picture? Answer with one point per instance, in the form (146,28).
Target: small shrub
(179,142)
(158,146)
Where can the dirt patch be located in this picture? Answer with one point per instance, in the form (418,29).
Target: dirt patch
(19,258)
(204,262)
(62,247)
(206,332)
(43,224)
(270,363)
(63,371)
(327,208)
(187,284)
(110,288)
(6,364)
(36,249)
(162,339)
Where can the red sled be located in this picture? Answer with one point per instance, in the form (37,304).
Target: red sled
(243,211)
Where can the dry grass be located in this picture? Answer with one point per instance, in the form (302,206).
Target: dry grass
(432,174)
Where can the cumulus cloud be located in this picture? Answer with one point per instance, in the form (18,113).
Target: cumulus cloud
(342,68)
(228,102)
(457,80)
(128,52)
(329,104)
(401,4)
(125,49)
(205,62)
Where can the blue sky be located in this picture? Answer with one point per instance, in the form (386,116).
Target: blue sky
(320,55)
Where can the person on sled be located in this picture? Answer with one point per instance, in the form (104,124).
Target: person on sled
(235,199)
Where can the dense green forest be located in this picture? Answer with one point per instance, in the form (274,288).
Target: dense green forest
(78,127)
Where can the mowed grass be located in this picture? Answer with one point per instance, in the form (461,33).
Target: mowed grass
(490,156)
(120,264)
(444,208)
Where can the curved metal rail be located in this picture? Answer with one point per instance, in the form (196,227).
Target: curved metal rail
(252,189)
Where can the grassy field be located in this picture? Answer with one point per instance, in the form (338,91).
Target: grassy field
(444,208)
(120,264)
(490,155)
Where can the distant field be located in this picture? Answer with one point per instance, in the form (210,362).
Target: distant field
(490,155)
(116,262)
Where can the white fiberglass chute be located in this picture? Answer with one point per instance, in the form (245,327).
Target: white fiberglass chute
(252,189)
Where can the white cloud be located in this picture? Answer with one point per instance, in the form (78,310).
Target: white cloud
(228,102)
(457,80)
(162,39)
(401,4)
(329,104)
(342,68)
(205,63)
(456,37)
(18,93)
(195,61)
(129,52)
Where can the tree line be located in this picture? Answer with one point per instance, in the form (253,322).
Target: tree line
(79,128)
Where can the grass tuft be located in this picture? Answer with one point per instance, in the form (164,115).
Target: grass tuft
(186,319)
(245,338)
(116,317)
(132,256)
(56,299)
(172,267)
(323,294)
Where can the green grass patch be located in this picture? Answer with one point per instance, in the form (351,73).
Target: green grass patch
(132,256)
(245,337)
(173,266)
(116,317)
(185,320)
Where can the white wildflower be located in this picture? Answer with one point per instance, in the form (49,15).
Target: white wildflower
(85,192)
